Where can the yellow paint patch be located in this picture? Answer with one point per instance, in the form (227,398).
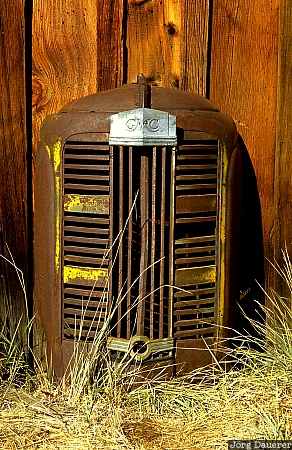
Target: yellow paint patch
(196,275)
(83,273)
(55,155)
(94,204)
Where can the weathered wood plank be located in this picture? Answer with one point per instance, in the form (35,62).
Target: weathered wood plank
(244,85)
(283,184)
(13,231)
(194,54)
(64,55)
(111,66)
(167,42)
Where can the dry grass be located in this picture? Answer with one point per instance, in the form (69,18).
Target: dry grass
(252,402)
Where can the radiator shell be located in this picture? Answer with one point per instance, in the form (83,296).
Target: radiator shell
(89,118)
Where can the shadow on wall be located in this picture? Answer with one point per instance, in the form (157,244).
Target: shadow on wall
(251,265)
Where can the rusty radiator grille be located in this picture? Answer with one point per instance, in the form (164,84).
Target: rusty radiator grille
(142,177)
(86,235)
(86,168)
(194,311)
(196,171)
(195,251)
(149,246)
(195,239)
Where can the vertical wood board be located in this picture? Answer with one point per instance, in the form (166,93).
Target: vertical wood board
(244,85)
(64,55)
(13,230)
(111,60)
(194,47)
(167,42)
(283,182)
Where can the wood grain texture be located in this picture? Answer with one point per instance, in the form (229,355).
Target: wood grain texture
(64,55)
(194,54)
(283,183)
(110,44)
(13,231)
(167,42)
(244,85)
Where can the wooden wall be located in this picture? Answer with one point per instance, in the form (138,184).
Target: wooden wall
(234,52)
(13,155)
(283,156)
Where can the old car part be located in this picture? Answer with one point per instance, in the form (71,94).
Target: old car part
(137,209)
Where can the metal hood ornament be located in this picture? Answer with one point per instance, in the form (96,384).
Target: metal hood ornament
(143,127)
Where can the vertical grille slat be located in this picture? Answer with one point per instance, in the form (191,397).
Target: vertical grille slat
(162,242)
(121,243)
(144,242)
(171,239)
(153,242)
(86,240)
(130,243)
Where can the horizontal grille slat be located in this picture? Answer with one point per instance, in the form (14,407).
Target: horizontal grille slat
(84,304)
(194,303)
(68,230)
(198,219)
(83,250)
(81,158)
(190,322)
(195,292)
(196,187)
(85,313)
(93,324)
(193,240)
(182,312)
(86,240)
(195,147)
(85,187)
(209,248)
(85,293)
(192,177)
(88,177)
(196,332)
(196,167)
(86,167)
(195,260)
(86,261)
(197,157)
(86,220)
(85,147)
(87,335)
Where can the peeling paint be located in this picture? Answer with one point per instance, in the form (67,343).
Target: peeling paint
(93,204)
(195,275)
(55,155)
(83,273)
